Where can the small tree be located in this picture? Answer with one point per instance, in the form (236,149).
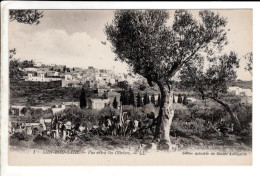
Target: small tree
(83,101)
(123,98)
(153,99)
(115,104)
(179,99)
(213,83)
(123,85)
(173,99)
(64,69)
(185,101)
(38,113)
(24,110)
(146,99)
(139,100)
(131,97)
(28,114)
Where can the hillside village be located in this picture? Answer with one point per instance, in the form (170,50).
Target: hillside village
(105,90)
(172,99)
(102,81)
(106,85)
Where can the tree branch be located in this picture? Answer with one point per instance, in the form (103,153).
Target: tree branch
(176,65)
(174,69)
(187,59)
(169,87)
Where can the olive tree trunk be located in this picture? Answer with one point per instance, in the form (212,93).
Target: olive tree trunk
(166,113)
(234,118)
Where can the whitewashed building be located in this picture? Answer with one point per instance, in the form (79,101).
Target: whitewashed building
(41,76)
(99,103)
(240,92)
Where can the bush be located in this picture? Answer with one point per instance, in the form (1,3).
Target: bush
(244,114)
(41,140)
(107,112)
(20,139)
(20,136)
(181,127)
(129,109)
(77,115)
(141,113)
(210,112)
(180,111)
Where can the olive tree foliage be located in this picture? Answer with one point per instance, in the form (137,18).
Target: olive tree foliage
(211,81)
(142,39)
(249,58)
(26,16)
(156,51)
(211,78)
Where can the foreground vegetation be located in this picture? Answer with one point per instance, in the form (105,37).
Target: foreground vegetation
(196,125)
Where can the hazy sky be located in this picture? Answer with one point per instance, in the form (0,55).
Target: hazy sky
(73,38)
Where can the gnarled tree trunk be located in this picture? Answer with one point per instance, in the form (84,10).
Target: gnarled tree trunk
(166,114)
(234,118)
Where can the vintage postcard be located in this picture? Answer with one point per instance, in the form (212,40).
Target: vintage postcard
(115,87)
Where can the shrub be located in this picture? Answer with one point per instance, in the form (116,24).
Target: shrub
(185,101)
(244,114)
(190,127)
(107,111)
(20,139)
(180,111)
(77,115)
(209,111)
(41,140)
(20,136)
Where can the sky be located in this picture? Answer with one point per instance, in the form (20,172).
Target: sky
(73,38)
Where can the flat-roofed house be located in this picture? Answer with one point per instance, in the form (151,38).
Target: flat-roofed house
(240,91)
(99,103)
(58,109)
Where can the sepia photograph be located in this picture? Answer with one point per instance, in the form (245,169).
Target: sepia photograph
(130,87)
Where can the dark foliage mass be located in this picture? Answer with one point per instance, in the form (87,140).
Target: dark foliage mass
(26,16)
(115,103)
(155,51)
(83,101)
(213,83)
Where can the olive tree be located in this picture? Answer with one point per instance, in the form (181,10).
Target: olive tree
(26,16)
(211,80)
(156,51)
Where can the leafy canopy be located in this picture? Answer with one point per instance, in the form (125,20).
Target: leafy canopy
(211,80)
(142,39)
(26,16)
